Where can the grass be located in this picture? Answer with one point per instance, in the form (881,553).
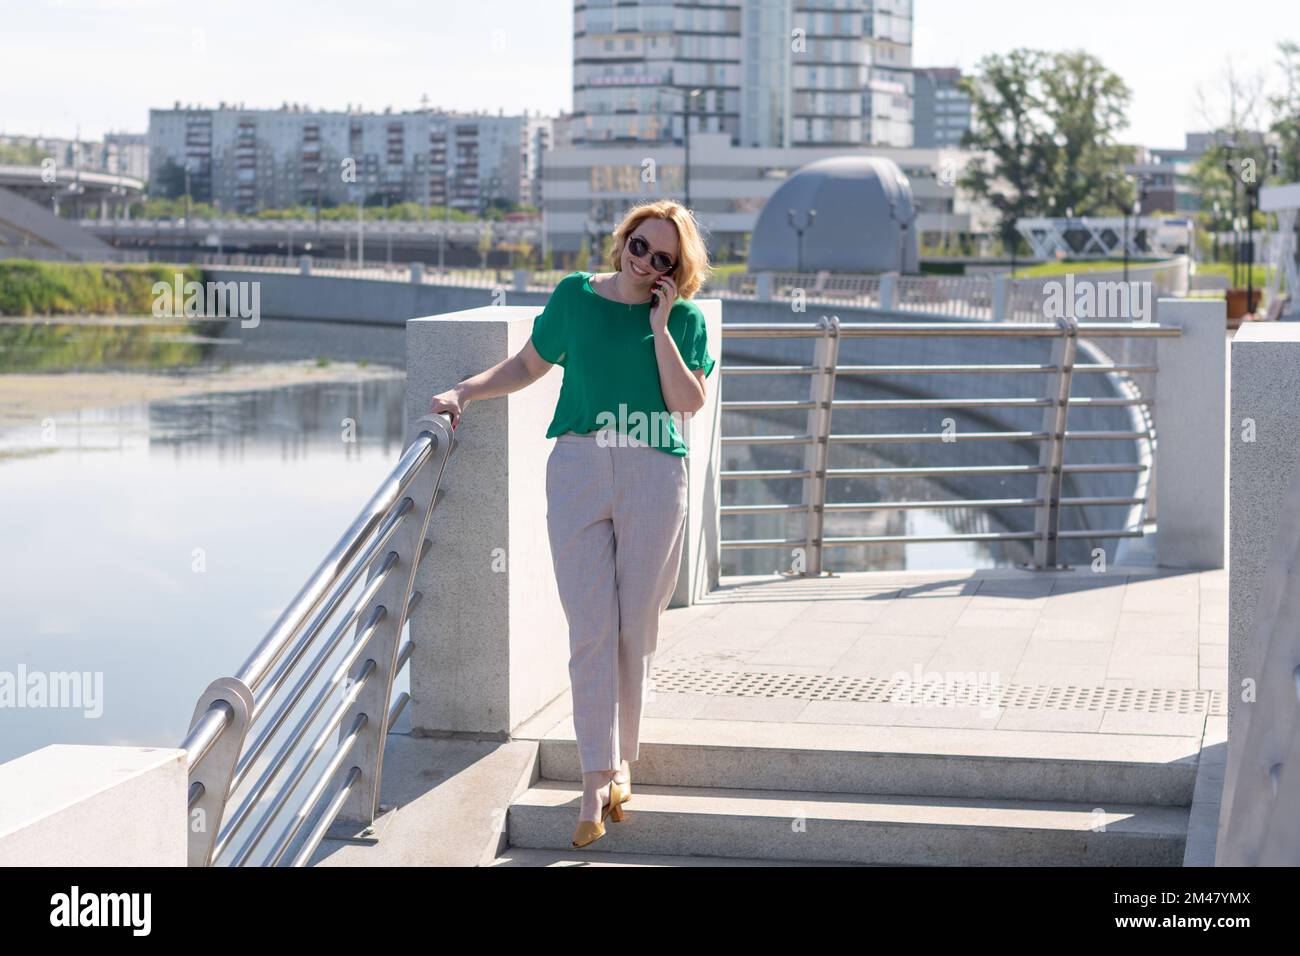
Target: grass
(28,287)
(1259,273)
(1077,266)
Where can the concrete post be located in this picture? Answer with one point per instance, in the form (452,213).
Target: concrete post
(1191,430)
(417,273)
(1262,441)
(490,636)
(520,280)
(304,265)
(94,806)
(763,287)
(888,289)
(1001,296)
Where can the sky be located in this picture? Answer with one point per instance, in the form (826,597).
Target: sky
(91,66)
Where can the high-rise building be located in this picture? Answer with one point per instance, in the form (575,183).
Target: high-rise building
(942,109)
(247,160)
(767,73)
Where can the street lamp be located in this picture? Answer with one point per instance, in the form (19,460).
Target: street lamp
(448,188)
(799,231)
(1218,214)
(687,97)
(1231,146)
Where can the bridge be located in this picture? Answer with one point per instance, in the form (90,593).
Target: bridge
(55,187)
(1066,710)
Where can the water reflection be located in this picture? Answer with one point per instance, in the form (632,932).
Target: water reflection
(156,522)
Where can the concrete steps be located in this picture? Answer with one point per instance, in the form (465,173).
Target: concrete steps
(853,794)
(936,761)
(863,829)
(587,856)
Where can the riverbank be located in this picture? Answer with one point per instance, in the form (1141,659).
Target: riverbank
(31,288)
(27,399)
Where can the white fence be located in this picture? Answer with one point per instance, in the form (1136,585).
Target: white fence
(989,297)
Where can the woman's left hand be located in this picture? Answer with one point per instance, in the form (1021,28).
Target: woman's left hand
(666,288)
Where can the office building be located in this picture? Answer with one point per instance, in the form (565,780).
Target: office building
(941,108)
(769,73)
(588,188)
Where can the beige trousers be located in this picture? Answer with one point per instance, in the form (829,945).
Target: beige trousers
(615,518)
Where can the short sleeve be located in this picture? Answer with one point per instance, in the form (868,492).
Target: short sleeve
(694,342)
(549,336)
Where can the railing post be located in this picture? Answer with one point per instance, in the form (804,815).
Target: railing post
(210,777)
(1051,453)
(304,265)
(394,596)
(888,290)
(417,273)
(821,393)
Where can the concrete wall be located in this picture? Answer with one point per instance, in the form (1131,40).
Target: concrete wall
(94,806)
(1264,434)
(291,296)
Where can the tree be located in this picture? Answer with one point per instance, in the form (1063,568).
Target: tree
(1047,124)
(1234,119)
(168,182)
(1286,112)
(1085,105)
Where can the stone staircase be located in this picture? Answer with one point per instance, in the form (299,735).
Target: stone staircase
(806,793)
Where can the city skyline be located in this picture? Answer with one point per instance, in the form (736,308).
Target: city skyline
(509,56)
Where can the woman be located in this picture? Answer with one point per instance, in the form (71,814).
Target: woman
(635,355)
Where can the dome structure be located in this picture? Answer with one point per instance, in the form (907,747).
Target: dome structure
(855,213)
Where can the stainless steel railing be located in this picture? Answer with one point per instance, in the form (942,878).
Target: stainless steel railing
(326,671)
(817,438)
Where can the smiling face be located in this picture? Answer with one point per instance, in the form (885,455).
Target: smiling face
(661,236)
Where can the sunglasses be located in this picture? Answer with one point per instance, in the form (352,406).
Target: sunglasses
(660,260)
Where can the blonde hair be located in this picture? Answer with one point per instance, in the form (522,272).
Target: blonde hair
(692,267)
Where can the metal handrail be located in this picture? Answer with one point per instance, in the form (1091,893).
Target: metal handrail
(1055,402)
(237,718)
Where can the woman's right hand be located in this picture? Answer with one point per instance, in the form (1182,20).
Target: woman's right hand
(450,401)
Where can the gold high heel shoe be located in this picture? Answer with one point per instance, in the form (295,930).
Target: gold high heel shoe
(626,787)
(589,831)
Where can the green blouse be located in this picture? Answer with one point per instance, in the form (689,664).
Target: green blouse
(611,375)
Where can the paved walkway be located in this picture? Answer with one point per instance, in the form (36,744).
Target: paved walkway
(1131,651)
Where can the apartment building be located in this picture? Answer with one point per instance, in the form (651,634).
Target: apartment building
(250,159)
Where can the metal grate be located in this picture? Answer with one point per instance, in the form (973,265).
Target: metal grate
(885,690)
